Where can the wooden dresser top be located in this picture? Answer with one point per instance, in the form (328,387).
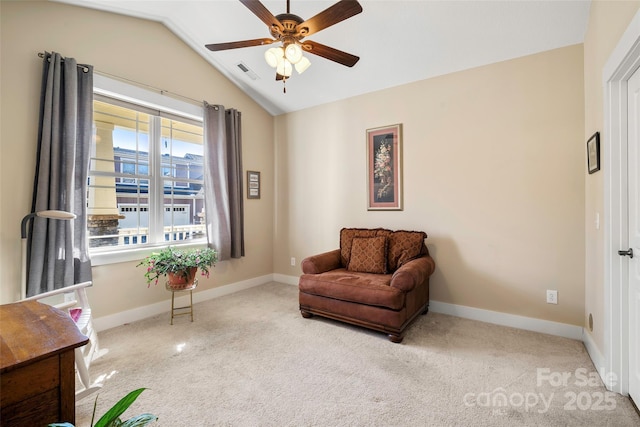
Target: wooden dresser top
(30,331)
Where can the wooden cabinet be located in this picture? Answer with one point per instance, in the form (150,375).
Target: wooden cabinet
(37,371)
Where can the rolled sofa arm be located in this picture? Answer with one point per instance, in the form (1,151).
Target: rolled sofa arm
(320,263)
(412,273)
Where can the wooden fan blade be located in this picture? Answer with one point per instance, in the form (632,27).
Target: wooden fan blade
(262,12)
(340,11)
(235,45)
(330,53)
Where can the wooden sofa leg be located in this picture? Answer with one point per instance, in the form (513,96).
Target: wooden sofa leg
(395,338)
(306,314)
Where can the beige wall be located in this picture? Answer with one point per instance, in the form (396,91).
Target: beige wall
(607,22)
(493,172)
(494,162)
(141,51)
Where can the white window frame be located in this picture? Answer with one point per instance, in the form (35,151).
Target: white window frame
(123,91)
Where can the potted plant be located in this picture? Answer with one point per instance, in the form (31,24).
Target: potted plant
(112,417)
(178,265)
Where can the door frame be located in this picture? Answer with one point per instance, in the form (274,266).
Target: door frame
(622,63)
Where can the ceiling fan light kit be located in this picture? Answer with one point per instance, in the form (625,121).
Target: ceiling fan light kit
(284,59)
(289,30)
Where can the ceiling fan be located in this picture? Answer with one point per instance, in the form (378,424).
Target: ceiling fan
(290,29)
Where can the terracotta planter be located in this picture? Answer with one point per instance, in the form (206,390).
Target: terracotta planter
(181,281)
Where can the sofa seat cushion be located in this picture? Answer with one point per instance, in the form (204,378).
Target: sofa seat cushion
(361,288)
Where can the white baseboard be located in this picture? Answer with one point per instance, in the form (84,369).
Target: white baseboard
(288,280)
(139,313)
(596,357)
(505,319)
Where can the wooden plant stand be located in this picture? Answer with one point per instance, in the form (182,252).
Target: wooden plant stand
(180,311)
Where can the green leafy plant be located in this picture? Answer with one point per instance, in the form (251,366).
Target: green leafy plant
(177,261)
(112,417)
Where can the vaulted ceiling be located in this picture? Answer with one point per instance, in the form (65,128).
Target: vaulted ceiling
(398,42)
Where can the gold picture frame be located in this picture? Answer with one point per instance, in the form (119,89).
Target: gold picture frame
(384,168)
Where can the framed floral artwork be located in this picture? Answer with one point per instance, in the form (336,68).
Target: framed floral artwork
(384,171)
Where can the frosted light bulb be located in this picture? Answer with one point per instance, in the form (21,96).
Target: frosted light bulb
(273,55)
(293,53)
(284,68)
(302,65)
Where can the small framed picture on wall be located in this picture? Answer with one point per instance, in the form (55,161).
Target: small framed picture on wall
(593,153)
(253,185)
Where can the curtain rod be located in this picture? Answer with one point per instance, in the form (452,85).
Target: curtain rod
(153,88)
(84,67)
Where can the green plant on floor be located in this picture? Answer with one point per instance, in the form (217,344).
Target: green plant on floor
(112,417)
(178,261)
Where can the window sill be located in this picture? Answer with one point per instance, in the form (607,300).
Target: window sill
(119,255)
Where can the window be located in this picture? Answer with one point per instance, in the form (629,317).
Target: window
(145,177)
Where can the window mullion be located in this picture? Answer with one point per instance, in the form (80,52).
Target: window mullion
(156,191)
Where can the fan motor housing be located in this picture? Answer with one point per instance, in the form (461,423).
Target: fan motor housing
(289,21)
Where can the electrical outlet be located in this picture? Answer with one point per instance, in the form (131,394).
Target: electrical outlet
(552,297)
(293,262)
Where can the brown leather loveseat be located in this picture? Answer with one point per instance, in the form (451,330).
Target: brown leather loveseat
(378,279)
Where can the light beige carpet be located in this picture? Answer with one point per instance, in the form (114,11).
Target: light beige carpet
(250,359)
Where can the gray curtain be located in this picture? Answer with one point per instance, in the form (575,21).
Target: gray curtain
(224,210)
(57,251)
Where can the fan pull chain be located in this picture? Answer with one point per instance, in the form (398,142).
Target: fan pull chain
(284,85)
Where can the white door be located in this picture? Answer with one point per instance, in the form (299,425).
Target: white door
(633,89)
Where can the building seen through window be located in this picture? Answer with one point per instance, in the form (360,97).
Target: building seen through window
(145,177)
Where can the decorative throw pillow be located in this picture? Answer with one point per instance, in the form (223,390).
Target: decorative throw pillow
(383,232)
(346,237)
(368,255)
(404,246)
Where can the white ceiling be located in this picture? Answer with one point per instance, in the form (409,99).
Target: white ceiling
(397,41)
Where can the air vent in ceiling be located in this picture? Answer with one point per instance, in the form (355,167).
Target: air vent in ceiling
(243,67)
